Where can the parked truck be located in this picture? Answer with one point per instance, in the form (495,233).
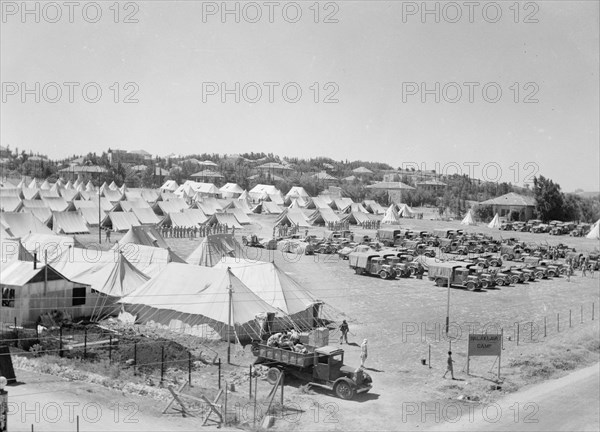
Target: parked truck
(368,263)
(455,274)
(323,367)
(389,236)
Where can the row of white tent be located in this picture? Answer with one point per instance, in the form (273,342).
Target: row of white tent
(146,278)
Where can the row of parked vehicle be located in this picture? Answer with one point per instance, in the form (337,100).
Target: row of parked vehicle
(469,260)
(573,229)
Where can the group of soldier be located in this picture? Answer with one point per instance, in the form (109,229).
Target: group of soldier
(194,232)
(284,230)
(338,226)
(370,224)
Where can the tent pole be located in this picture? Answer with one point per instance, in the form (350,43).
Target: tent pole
(99,221)
(229,320)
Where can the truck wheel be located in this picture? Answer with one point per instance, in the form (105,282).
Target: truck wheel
(505,257)
(515,280)
(383,274)
(358,271)
(500,282)
(551,273)
(273,375)
(344,390)
(440,282)
(539,275)
(484,284)
(471,286)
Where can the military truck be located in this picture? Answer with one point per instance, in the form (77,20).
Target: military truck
(323,367)
(368,263)
(389,236)
(455,273)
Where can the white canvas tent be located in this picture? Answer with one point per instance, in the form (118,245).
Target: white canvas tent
(468,219)
(213,249)
(176,299)
(391,216)
(495,223)
(276,288)
(69,223)
(595,231)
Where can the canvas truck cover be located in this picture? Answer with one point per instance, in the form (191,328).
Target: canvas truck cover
(360,259)
(442,232)
(387,233)
(442,270)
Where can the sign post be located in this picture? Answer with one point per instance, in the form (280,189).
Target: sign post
(481,345)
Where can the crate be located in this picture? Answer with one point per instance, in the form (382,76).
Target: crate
(318,337)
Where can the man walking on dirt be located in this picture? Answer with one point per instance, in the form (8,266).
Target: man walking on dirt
(344,329)
(450,367)
(363,353)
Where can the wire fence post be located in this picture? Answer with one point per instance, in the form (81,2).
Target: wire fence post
(109,349)
(250,381)
(162,364)
(219,373)
(569,317)
(190,368)
(60,342)
(16,334)
(134,358)
(545,326)
(85,342)
(531,334)
(225,410)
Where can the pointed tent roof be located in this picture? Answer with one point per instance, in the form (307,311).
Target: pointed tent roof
(46,185)
(271,284)
(391,216)
(113,186)
(595,231)
(149,260)
(33,184)
(69,185)
(90,186)
(495,223)
(468,219)
(292,216)
(21,184)
(144,235)
(12,249)
(213,248)
(174,294)
(21,224)
(169,185)
(297,191)
(108,272)
(69,223)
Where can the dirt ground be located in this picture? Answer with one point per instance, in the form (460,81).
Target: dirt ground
(404,321)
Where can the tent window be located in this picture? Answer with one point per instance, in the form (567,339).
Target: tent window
(8,297)
(79,296)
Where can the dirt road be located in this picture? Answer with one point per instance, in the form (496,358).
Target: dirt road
(569,403)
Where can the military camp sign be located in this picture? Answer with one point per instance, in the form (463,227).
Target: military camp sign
(485,344)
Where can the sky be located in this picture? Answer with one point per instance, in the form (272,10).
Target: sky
(369,74)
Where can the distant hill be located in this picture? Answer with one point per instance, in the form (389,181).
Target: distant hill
(585,194)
